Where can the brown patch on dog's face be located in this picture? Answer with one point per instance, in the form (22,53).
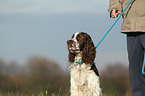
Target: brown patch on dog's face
(73,44)
(69,43)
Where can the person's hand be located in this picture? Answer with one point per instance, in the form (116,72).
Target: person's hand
(115,13)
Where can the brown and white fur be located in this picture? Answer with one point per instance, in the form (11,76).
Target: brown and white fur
(84,76)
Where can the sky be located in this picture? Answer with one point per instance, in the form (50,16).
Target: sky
(42,27)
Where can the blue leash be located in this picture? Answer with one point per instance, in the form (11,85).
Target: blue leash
(113,24)
(110,28)
(143,67)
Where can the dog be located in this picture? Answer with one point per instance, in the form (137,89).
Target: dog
(85,79)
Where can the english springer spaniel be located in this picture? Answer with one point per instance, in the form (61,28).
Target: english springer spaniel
(84,74)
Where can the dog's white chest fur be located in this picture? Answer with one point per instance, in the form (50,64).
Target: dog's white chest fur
(84,82)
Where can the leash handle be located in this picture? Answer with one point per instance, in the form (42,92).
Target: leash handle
(143,67)
(113,24)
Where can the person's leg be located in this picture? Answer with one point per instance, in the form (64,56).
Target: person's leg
(134,47)
(142,38)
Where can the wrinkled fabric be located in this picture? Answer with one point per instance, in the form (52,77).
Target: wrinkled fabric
(133,17)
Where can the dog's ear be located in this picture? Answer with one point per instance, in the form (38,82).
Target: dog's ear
(88,51)
(71,57)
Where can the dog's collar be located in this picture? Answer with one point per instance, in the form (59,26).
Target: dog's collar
(78,58)
(79,62)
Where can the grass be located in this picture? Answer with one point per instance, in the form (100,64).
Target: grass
(27,94)
(32,93)
(40,94)
(46,93)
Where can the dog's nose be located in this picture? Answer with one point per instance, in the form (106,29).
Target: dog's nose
(69,43)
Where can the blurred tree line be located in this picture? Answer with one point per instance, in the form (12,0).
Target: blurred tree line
(115,80)
(40,74)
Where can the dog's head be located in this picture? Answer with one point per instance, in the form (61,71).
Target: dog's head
(81,42)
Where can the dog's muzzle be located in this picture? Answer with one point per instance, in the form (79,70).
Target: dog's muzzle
(73,46)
